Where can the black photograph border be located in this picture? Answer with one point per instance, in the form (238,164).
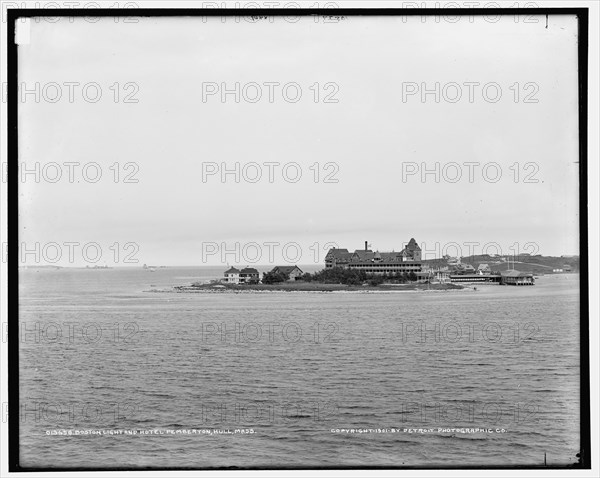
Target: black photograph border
(582,15)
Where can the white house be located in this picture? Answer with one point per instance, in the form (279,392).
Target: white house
(248,275)
(232,276)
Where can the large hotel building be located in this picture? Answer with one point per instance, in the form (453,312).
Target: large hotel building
(407,260)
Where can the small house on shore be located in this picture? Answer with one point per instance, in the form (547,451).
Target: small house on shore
(232,276)
(247,275)
(292,272)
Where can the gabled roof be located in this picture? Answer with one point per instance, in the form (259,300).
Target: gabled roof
(412,245)
(232,270)
(337,254)
(363,255)
(249,270)
(391,256)
(285,269)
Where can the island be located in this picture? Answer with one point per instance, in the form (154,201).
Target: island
(302,286)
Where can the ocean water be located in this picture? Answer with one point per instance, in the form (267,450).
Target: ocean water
(114,376)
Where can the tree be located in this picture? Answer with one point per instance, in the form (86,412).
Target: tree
(376,280)
(274,277)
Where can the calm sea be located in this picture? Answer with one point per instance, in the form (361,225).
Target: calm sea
(115,376)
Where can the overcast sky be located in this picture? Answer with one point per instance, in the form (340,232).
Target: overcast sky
(380,127)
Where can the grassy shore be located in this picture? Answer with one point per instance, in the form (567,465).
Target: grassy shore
(300,286)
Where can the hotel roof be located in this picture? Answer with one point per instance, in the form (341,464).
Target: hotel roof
(368,256)
(412,245)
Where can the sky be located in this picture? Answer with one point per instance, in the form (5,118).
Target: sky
(499,139)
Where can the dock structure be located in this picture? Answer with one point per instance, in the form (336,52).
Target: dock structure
(492,278)
(513,277)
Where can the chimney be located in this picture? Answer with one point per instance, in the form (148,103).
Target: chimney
(366,246)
